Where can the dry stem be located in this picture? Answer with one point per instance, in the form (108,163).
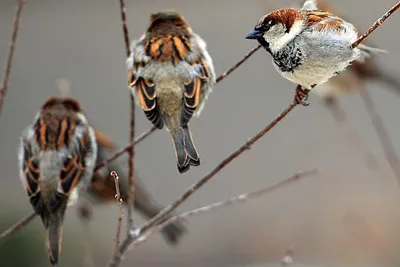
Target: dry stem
(7,71)
(17,226)
(119,200)
(131,150)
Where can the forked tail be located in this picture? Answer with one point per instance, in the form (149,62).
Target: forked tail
(186,153)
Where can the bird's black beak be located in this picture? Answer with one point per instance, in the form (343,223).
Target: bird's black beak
(254,34)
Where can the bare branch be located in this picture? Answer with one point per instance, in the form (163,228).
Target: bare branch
(17,226)
(7,71)
(383,135)
(131,149)
(119,200)
(235,200)
(226,73)
(124,27)
(131,162)
(376,24)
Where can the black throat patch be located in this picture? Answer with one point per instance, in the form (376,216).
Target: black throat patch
(287,59)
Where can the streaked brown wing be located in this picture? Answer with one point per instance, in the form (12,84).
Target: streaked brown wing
(193,89)
(31,170)
(323,20)
(73,167)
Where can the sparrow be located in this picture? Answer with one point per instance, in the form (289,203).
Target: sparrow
(171,75)
(308,46)
(57,154)
(102,188)
(354,77)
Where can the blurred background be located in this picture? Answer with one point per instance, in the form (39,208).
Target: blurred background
(81,40)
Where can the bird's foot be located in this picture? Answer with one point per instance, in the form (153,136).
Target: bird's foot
(301,96)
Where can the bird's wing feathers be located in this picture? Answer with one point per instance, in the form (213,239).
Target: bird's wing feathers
(30,169)
(174,49)
(323,20)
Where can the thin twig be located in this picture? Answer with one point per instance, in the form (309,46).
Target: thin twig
(240,62)
(7,71)
(134,235)
(131,150)
(235,200)
(17,226)
(131,162)
(376,24)
(382,133)
(120,201)
(124,27)
(117,154)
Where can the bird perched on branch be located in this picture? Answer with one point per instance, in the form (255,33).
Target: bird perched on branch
(308,46)
(102,188)
(171,74)
(354,77)
(56,160)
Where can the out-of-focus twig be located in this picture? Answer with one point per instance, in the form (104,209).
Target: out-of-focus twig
(131,149)
(235,200)
(383,135)
(17,226)
(7,71)
(119,200)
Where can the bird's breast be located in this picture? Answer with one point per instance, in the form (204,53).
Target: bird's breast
(288,59)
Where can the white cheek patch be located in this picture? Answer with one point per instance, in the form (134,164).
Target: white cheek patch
(279,42)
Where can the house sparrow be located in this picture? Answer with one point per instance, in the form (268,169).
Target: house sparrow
(171,74)
(102,189)
(308,46)
(354,77)
(56,159)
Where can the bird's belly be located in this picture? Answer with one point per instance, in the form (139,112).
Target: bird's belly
(313,73)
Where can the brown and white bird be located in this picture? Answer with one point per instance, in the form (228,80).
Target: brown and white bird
(171,74)
(102,188)
(308,46)
(355,76)
(56,160)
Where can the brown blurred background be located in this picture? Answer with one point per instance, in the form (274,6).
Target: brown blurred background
(81,40)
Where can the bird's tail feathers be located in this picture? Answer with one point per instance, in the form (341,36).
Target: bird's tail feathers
(186,153)
(367,52)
